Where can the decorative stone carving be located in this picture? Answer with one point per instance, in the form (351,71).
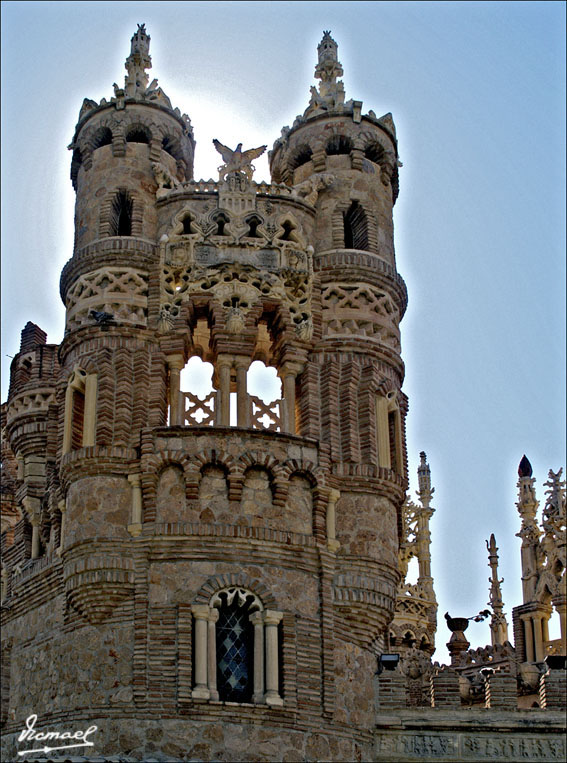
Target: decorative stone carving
(237,161)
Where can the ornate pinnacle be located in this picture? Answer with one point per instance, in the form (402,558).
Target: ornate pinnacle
(331,92)
(525,468)
(136,81)
(498,623)
(425,491)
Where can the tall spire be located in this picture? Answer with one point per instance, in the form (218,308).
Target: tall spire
(498,623)
(136,81)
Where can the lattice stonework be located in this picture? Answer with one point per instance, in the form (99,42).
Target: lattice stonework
(121,292)
(197,412)
(362,310)
(266,415)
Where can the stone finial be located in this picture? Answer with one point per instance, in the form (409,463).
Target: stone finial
(331,92)
(525,468)
(425,491)
(136,81)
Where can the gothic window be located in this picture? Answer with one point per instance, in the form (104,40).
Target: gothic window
(171,146)
(253,222)
(221,220)
(355,227)
(236,649)
(288,228)
(187,220)
(121,214)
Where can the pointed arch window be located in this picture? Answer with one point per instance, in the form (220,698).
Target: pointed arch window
(355,227)
(389,433)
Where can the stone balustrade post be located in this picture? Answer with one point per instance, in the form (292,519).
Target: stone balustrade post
(224,366)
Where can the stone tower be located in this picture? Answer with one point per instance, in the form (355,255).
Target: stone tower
(221,569)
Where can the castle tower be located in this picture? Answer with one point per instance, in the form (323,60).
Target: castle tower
(224,560)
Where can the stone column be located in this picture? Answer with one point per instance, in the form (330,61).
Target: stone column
(135,528)
(242,400)
(288,375)
(529,638)
(212,653)
(224,366)
(332,542)
(545,630)
(271,620)
(561,607)
(35,538)
(175,364)
(62,507)
(89,415)
(539,650)
(257,620)
(201,614)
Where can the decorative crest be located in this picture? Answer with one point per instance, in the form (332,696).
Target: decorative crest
(237,161)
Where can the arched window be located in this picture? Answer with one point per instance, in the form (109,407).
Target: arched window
(355,227)
(121,214)
(221,221)
(80,411)
(301,156)
(389,433)
(287,234)
(138,134)
(237,650)
(339,144)
(102,137)
(253,222)
(235,646)
(187,220)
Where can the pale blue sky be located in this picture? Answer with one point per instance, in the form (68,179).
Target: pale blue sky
(477,91)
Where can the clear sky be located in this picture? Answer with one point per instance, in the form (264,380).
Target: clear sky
(477,93)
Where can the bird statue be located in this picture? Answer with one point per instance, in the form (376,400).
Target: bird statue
(101,317)
(237,160)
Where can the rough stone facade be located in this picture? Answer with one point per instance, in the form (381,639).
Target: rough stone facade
(216,576)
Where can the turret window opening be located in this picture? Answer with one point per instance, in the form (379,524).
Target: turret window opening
(374,152)
(355,227)
(121,214)
(389,433)
(103,137)
(339,144)
(138,134)
(302,155)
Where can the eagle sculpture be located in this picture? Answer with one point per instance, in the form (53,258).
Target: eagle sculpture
(237,160)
